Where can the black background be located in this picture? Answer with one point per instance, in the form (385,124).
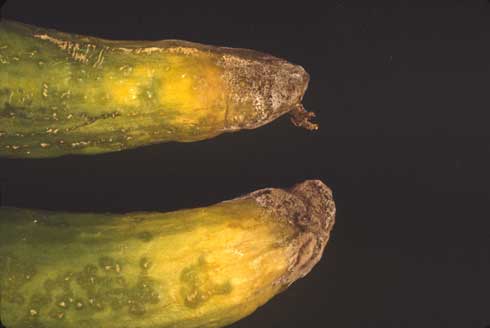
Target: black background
(402,96)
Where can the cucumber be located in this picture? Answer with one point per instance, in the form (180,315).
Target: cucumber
(70,94)
(204,267)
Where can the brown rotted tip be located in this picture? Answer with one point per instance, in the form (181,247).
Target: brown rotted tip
(310,207)
(302,118)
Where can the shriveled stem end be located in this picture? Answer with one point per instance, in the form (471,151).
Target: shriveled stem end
(310,208)
(302,118)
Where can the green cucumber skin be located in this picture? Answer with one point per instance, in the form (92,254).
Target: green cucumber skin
(49,113)
(66,94)
(204,267)
(77,247)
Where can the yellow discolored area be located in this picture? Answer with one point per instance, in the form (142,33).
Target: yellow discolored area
(125,92)
(188,90)
(206,267)
(194,89)
(223,264)
(126,87)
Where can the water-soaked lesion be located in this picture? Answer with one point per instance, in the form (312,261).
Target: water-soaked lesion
(18,276)
(108,264)
(198,285)
(145,236)
(111,289)
(104,286)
